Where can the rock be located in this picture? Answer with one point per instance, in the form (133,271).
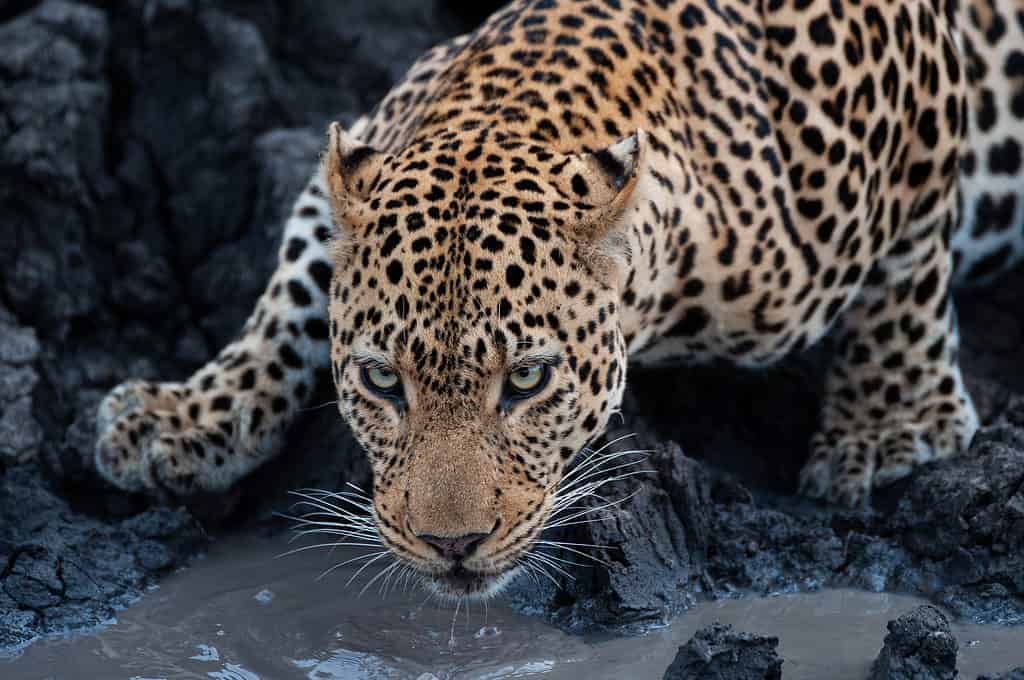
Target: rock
(720,653)
(919,646)
(686,531)
(973,541)
(20,433)
(55,100)
(285,159)
(62,570)
(17,345)
(145,286)
(654,542)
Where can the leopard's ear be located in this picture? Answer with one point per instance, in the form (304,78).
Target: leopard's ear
(349,168)
(607,177)
(600,184)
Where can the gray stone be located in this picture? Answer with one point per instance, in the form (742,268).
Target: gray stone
(919,646)
(720,653)
(20,434)
(17,345)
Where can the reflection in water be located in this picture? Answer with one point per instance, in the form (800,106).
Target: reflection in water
(233,672)
(347,665)
(206,653)
(241,614)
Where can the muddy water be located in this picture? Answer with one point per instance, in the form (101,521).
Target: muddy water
(241,613)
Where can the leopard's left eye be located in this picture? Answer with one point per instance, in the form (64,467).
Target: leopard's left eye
(382,380)
(526,381)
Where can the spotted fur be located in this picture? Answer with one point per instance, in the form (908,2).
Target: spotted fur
(584,184)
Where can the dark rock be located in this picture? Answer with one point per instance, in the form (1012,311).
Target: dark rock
(654,541)
(686,531)
(17,345)
(145,285)
(965,553)
(919,646)
(285,159)
(20,433)
(720,653)
(61,570)
(55,100)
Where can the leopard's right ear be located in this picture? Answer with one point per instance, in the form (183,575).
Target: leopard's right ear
(350,169)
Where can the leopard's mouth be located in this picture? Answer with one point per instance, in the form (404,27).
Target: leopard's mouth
(459,582)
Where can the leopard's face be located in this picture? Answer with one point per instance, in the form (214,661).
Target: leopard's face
(476,345)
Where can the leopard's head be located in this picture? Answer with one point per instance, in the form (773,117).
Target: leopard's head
(475,334)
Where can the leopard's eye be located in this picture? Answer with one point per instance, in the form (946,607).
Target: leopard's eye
(528,380)
(382,380)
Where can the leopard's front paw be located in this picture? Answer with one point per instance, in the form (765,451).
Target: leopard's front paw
(844,468)
(127,421)
(845,465)
(174,441)
(175,466)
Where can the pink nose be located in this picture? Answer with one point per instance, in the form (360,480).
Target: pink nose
(457,548)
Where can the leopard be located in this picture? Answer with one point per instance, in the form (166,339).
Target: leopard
(579,187)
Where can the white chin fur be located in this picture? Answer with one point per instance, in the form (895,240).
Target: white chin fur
(495,585)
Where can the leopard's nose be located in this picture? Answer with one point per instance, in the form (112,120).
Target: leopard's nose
(455,548)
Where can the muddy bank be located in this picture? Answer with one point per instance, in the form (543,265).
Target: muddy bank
(147,157)
(953,533)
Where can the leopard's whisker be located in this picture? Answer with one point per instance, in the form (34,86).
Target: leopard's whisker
(318,406)
(528,570)
(581,553)
(563,503)
(597,468)
(612,442)
(361,569)
(544,565)
(382,573)
(357,491)
(331,522)
(529,559)
(586,511)
(335,510)
(551,562)
(567,543)
(332,532)
(342,544)
(321,517)
(561,560)
(598,458)
(582,482)
(592,520)
(347,497)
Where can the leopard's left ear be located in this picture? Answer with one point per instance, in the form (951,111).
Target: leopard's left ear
(600,184)
(349,168)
